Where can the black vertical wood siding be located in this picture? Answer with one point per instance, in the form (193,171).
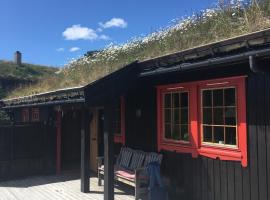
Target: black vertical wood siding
(204,178)
(26,149)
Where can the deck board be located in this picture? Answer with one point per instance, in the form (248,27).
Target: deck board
(65,186)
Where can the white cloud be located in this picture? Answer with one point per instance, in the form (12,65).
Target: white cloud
(114,22)
(77,32)
(73,49)
(104,37)
(60,49)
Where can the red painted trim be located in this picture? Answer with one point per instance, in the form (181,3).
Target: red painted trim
(121,138)
(238,153)
(35,115)
(195,146)
(172,145)
(25,115)
(58,141)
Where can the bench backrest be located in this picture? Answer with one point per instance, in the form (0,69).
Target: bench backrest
(124,157)
(134,159)
(152,157)
(137,159)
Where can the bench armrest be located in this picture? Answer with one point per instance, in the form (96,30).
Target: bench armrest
(141,172)
(100,160)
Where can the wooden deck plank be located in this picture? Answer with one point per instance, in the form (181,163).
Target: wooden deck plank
(64,186)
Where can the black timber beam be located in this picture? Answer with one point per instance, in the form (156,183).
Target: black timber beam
(108,152)
(85,150)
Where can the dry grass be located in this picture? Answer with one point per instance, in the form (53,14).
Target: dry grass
(211,25)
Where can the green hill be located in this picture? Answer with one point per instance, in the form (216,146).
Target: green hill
(13,76)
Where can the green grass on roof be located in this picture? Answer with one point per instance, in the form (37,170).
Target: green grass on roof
(211,25)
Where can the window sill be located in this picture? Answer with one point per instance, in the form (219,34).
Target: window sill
(223,153)
(179,147)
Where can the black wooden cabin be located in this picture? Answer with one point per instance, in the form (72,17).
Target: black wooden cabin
(207,110)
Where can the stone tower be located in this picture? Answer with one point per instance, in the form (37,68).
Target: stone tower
(18,58)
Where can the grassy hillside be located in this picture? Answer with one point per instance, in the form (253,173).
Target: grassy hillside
(13,76)
(221,22)
(25,71)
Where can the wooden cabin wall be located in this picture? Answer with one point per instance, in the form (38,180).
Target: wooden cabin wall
(204,178)
(26,149)
(71,139)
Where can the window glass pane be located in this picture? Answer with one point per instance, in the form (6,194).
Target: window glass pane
(168,115)
(184,99)
(184,132)
(207,98)
(218,116)
(168,131)
(207,115)
(184,116)
(167,100)
(230,135)
(207,133)
(219,135)
(176,132)
(176,100)
(230,97)
(230,116)
(176,116)
(218,97)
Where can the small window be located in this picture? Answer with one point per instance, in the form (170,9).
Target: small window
(119,122)
(25,115)
(35,114)
(176,116)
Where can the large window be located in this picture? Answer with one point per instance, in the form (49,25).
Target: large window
(119,122)
(219,115)
(205,118)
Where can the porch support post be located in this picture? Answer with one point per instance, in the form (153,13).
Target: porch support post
(108,154)
(58,140)
(85,150)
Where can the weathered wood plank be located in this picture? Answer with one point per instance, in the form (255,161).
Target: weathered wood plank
(252,135)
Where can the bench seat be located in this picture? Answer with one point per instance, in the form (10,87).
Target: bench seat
(130,168)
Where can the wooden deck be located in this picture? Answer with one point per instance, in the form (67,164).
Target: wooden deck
(62,187)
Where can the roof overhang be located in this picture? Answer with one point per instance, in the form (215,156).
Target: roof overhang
(56,97)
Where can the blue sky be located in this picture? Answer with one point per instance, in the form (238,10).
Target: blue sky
(51,32)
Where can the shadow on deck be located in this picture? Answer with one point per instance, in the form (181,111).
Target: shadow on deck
(64,186)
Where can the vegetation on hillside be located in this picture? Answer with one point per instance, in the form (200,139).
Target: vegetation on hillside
(221,22)
(25,71)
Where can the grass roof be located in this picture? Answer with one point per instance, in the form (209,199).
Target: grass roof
(211,25)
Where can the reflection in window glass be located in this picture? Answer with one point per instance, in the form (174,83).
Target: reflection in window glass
(176,116)
(219,116)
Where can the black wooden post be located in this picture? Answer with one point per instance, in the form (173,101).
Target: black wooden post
(108,154)
(85,150)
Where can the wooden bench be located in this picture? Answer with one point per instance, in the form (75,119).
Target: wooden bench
(130,168)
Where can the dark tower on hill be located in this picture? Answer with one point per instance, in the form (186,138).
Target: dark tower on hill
(18,58)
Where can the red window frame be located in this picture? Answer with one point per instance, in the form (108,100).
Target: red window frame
(25,115)
(239,152)
(121,138)
(196,146)
(174,145)
(35,115)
